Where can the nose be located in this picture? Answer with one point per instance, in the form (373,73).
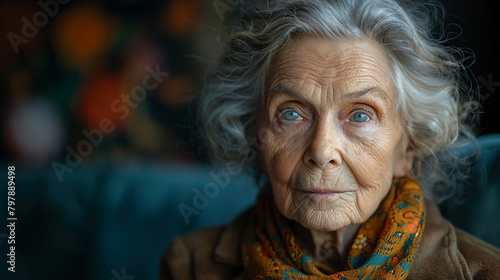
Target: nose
(324,145)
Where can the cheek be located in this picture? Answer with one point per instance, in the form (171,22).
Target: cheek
(280,167)
(281,157)
(370,155)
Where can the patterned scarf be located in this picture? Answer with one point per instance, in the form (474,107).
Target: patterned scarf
(384,248)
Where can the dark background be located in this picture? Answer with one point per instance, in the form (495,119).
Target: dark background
(477,25)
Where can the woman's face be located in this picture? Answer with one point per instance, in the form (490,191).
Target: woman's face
(331,140)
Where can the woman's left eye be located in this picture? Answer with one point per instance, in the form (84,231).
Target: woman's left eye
(360,117)
(291,115)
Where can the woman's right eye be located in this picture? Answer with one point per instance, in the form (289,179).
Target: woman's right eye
(291,115)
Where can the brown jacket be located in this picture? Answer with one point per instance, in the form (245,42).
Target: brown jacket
(445,253)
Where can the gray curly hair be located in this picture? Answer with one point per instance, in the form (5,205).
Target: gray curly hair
(428,77)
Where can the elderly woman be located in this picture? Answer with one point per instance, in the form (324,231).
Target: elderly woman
(353,107)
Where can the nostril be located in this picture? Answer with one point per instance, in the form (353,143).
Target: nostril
(322,159)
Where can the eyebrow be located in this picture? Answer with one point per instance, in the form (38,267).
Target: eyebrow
(375,90)
(280,90)
(349,96)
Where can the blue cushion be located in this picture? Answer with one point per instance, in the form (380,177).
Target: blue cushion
(138,212)
(478,212)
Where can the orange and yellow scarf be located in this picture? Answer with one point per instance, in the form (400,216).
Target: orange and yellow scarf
(384,248)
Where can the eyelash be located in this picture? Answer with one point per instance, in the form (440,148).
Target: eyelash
(358,109)
(285,108)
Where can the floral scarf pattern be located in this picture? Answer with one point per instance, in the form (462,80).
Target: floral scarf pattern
(384,248)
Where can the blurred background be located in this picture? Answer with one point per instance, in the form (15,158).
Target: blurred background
(63,70)
(89,87)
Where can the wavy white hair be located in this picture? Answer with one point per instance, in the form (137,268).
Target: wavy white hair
(428,77)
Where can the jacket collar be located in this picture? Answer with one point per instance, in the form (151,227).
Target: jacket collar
(227,249)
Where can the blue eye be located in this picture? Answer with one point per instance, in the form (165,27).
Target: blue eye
(291,115)
(360,117)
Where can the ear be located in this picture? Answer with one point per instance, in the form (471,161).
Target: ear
(403,165)
(404,158)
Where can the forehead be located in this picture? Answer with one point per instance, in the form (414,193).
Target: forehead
(345,65)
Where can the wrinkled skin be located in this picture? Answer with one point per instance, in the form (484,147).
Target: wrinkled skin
(331,138)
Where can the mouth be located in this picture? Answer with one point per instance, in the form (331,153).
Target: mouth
(322,189)
(319,195)
(322,192)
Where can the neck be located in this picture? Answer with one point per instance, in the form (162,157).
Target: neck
(329,247)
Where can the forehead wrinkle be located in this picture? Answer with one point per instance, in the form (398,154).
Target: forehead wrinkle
(308,71)
(321,57)
(366,67)
(289,58)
